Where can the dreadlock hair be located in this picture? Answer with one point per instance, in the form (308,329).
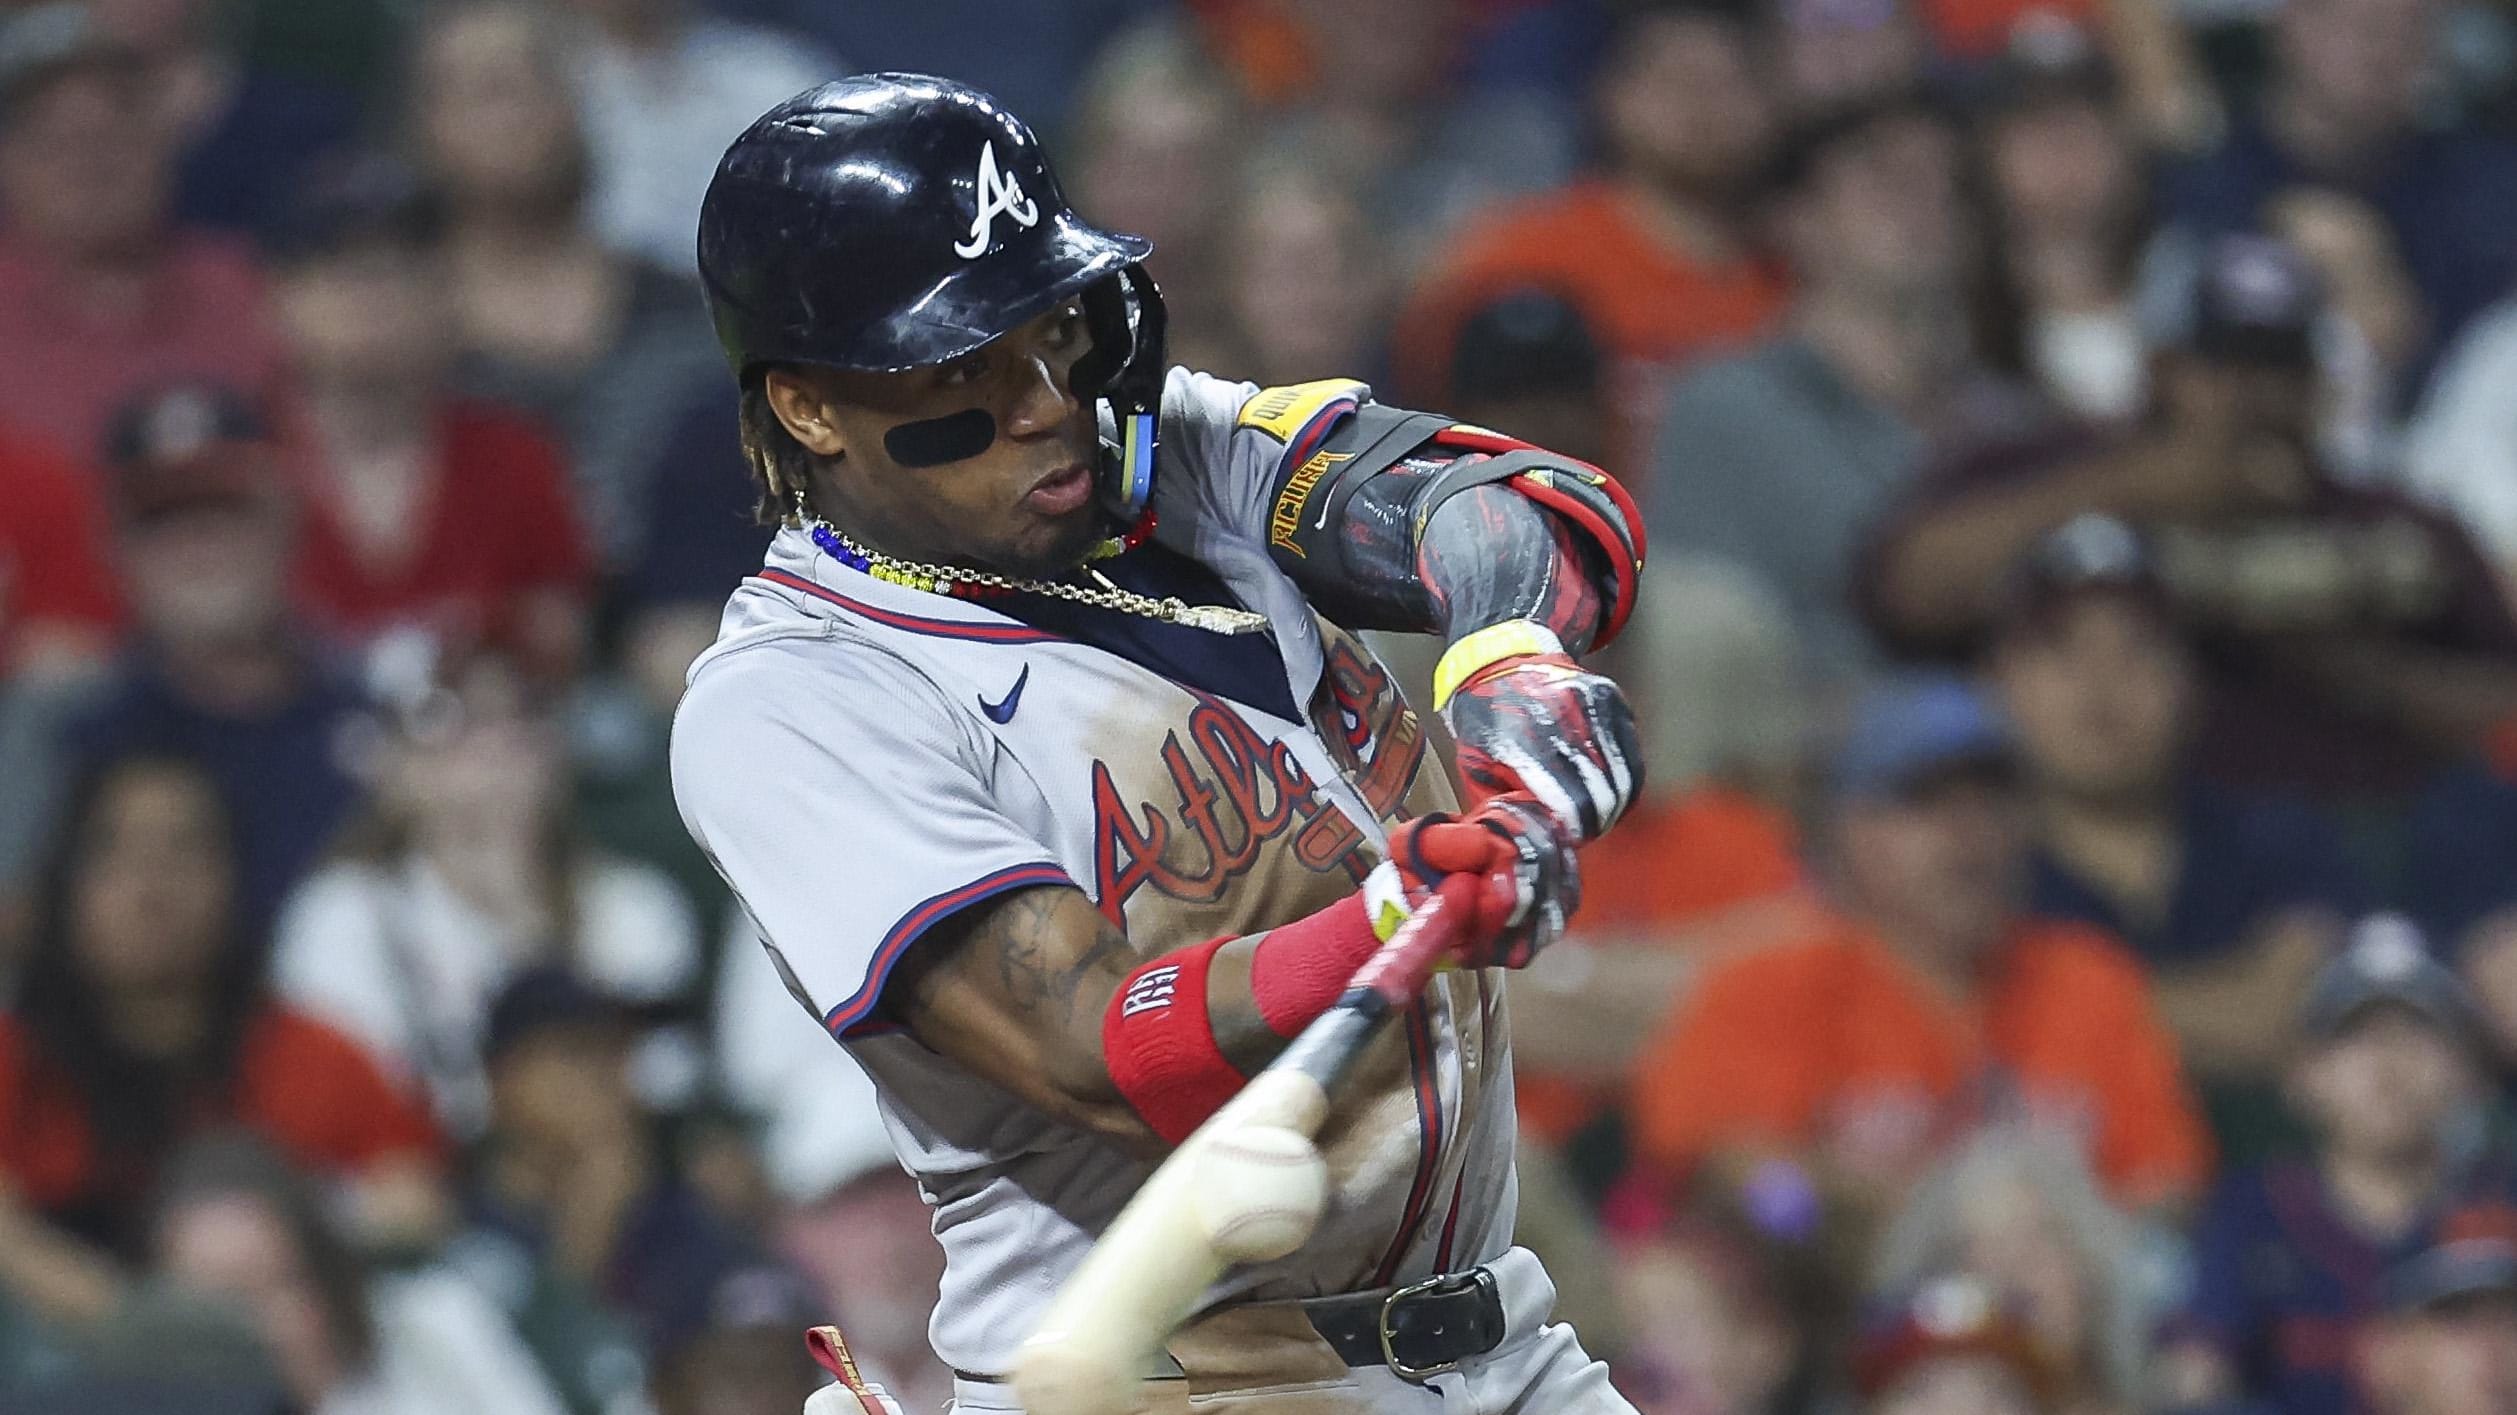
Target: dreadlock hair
(137,1106)
(781,469)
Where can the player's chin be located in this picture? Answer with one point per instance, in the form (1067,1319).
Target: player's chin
(1046,546)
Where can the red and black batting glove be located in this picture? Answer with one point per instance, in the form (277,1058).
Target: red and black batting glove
(1526,857)
(1530,719)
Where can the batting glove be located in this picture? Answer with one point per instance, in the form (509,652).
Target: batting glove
(1523,852)
(1530,719)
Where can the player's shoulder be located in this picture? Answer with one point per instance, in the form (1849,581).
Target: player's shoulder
(755,697)
(1282,414)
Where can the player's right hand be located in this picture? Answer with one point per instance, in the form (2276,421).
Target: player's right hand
(1526,857)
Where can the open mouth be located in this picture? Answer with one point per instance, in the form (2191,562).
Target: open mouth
(1061,491)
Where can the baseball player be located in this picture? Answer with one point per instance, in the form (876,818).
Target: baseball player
(1046,757)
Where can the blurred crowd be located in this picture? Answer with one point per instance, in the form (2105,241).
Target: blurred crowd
(2066,961)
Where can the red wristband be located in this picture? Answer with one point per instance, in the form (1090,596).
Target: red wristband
(1299,970)
(1159,1044)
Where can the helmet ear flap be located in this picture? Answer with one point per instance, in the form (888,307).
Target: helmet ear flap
(1125,317)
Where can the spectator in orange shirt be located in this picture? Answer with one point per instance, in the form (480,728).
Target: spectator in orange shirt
(1654,248)
(1932,1003)
(141,1021)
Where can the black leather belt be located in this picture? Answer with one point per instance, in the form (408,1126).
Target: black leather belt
(1418,1332)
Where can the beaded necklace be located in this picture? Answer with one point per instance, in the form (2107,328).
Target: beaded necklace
(955,582)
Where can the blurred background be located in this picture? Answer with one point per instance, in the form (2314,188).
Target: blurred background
(2066,961)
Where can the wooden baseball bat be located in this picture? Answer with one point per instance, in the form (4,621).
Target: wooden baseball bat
(1095,1344)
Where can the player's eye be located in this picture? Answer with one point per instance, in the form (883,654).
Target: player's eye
(962,372)
(1069,329)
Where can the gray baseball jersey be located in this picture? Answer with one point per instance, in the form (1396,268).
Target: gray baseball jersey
(861,759)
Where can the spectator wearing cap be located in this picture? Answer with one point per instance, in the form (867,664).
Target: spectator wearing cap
(578,1218)
(237,1224)
(661,87)
(1776,461)
(423,509)
(1951,1344)
(734,1342)
(1930,1000)
(140,1021)
(2291,1257)
(1526,363)
(600,347)
(2068,223)
(219,665)
(2351,641)
(100,294)
(2448,1344)
(2233,898)
(469,871)
(2345,113)
(1656,247)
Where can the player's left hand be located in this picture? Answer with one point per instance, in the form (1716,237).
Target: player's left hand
(1543,724)
(1520,849)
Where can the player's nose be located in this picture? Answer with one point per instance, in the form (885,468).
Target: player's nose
(1042,403)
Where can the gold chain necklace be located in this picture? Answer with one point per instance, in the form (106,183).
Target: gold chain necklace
(1214,619)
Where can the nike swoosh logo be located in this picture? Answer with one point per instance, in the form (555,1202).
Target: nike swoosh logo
(1002,712)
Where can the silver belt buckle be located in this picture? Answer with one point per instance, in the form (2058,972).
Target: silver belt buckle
(1444,1282)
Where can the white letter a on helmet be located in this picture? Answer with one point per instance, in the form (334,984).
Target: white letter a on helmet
(999,193)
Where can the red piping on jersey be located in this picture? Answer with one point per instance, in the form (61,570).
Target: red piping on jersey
(914,623)
(1428,1138)
(846,1019)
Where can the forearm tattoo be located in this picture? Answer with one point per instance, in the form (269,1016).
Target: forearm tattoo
(1488,555)
(1029,942)
(1022,948)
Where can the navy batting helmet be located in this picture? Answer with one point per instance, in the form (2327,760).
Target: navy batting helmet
(891,221)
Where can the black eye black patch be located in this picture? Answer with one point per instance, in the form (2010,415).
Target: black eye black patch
(931,442)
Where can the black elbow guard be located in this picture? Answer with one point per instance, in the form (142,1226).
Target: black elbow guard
(1335,442)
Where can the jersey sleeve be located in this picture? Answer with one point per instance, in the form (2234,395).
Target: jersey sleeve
(849,814)
(1226,450)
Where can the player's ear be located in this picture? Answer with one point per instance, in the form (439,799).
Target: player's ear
(804,410)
